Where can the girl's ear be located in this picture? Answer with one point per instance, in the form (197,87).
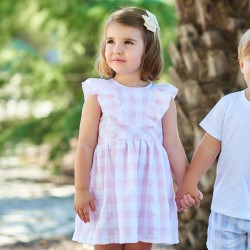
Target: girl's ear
(241,64)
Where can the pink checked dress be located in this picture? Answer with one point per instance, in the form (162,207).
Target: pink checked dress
(130,179)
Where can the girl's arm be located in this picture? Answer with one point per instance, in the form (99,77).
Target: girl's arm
(88,134)
(202,160)
(172,144)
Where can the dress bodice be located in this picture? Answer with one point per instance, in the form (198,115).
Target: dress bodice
(130,112)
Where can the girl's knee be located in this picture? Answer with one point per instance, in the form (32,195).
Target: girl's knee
(138,246)
(109,247)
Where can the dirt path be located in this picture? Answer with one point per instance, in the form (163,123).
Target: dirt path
(31,208)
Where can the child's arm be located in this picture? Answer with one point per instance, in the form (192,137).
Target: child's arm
(176,154)
(202,160)
(172,144)
(87,141)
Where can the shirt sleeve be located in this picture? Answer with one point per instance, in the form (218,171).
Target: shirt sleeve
(213,122)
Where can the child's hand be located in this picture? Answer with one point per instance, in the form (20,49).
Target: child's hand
(184,189)
(186,202)
(188,188)
(84,200)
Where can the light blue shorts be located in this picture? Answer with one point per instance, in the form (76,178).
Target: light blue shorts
(228,233)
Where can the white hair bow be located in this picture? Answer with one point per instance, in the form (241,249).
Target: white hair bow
(151,22)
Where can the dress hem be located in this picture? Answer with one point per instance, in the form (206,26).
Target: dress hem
(153,241)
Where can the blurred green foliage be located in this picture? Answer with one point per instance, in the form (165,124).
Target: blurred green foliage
(48,47)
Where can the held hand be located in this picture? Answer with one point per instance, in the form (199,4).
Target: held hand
(188,188)
(188,195)
(187,201)
(84,200)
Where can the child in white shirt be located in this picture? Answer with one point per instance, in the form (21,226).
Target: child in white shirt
(227,129)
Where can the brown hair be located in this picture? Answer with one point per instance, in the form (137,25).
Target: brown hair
(244,45)
(152,60)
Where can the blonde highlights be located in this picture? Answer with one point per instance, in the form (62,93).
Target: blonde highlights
(152,60)
(244,45)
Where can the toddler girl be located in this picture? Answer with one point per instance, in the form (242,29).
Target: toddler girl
(128,145)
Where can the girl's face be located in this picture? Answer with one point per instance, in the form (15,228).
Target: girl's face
(124,49)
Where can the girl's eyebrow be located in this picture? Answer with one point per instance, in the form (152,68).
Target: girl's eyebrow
(125,39)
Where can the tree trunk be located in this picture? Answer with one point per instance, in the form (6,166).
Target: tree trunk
(205,67)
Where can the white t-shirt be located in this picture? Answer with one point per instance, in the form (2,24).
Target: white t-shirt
(229,122)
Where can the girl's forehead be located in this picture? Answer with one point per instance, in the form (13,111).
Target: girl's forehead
(118,29)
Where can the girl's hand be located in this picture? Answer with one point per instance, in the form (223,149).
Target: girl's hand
(187,189)
(186,202)
(84,200)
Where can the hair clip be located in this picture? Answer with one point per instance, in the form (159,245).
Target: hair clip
(151,22)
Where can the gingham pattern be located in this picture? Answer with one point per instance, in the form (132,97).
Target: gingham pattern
(131,181)
(228,233)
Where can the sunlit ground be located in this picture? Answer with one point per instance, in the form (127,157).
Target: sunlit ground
(30,206)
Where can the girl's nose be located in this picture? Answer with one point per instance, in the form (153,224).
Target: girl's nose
(118,49)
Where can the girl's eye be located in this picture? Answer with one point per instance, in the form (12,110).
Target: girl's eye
(109,41)
(129,42)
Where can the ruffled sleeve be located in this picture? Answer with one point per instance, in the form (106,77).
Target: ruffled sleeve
(107,97)
(92,86)
(160,100)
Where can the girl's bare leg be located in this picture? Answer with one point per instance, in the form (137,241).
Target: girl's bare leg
(109,247)
(138,246)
